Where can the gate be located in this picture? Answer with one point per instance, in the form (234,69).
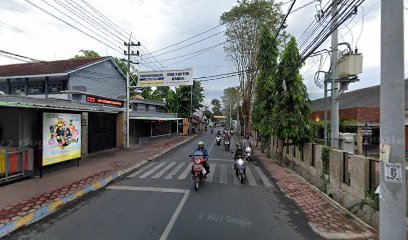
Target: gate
(101,131)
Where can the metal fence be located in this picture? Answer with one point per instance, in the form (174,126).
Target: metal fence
(16,163)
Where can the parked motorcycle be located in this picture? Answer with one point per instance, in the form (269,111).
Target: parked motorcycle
(240,167)
(248,153)
(198,169)
(218,140)
(227,145)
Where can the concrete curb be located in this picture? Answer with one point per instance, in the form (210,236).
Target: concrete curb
(46,210)
(327,235)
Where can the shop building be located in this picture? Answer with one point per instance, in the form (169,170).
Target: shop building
(63,104)
(146,122)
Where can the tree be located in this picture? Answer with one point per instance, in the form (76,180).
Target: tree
(86,54)
(243,23)
(216,107)
(264,101)
(291,110)
(183,95)
(231,99)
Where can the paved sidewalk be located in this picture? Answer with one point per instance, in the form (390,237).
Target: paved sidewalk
(324,217)
(21,198)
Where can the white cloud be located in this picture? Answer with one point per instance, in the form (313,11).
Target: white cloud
(159,23)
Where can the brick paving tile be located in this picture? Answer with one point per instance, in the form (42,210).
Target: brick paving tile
(26,196)
(321,214)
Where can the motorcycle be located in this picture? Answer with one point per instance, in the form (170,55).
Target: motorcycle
(248,152)
(232,132)
(218,139)
(212,130)
(198,169)
(227,145)
(240,167)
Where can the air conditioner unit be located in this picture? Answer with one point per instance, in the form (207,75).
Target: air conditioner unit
(349,65)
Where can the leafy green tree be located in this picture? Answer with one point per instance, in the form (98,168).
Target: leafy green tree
(183,95)
(243,25)
(216,107)
(86,54)
(264,101)
(231,99)
(291,110)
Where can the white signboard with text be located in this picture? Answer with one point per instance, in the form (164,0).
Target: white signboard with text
(177,77)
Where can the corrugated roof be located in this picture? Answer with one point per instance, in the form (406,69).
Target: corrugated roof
(139,114)
(49,67)
(48,103)
(365,97)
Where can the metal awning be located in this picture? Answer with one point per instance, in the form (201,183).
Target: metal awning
(156,118)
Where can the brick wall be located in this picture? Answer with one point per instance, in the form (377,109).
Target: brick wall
(360,114)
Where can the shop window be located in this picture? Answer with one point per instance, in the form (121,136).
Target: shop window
(147,107)
(56,86)
(36,88)
(18,88)
(135,106)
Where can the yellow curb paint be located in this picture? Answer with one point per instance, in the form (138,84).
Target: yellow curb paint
(24,220)
(110,179)
(54,205)
(96,185)
(79,193)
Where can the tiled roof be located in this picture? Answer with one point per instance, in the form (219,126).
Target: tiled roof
(365,97)
(43,68)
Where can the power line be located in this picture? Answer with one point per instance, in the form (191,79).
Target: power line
(69,24)
(185,40)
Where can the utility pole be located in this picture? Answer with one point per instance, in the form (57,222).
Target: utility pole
(191,109)
(230,114)
(334,140)
(129,53)
(325,107)
(392,105)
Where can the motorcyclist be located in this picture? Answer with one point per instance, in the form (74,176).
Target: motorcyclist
(239,152)
(227,137)
(247,143)
(218,132)
(201,148)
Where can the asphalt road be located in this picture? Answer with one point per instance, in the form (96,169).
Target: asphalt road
(158,201)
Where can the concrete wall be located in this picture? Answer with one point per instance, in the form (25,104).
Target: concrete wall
(347,195)
(108,82)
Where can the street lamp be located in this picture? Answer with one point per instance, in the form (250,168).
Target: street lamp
(366,133)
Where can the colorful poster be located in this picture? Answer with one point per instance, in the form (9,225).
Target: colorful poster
(179,77)
(61,137)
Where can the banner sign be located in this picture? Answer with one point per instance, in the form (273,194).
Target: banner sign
(180,77)
(92,99)
(61,137)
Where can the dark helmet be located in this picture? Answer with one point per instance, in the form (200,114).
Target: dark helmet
(239,147)
(200,145)
(247,137)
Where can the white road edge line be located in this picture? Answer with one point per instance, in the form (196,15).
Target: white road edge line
(176,213)
(212,145)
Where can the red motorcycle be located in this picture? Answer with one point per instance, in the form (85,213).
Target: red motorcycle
(198,169)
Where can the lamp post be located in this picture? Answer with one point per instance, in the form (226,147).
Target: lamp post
(366,133)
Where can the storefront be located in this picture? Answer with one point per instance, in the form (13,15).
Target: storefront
(52,131)
(144,128)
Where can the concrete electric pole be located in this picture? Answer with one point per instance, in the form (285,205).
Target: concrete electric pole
(392,119)
(129,53)
(334,139)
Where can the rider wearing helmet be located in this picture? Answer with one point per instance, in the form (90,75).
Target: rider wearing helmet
(239,152)
(201,148)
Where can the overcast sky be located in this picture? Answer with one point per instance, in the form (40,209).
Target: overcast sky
(159,23)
